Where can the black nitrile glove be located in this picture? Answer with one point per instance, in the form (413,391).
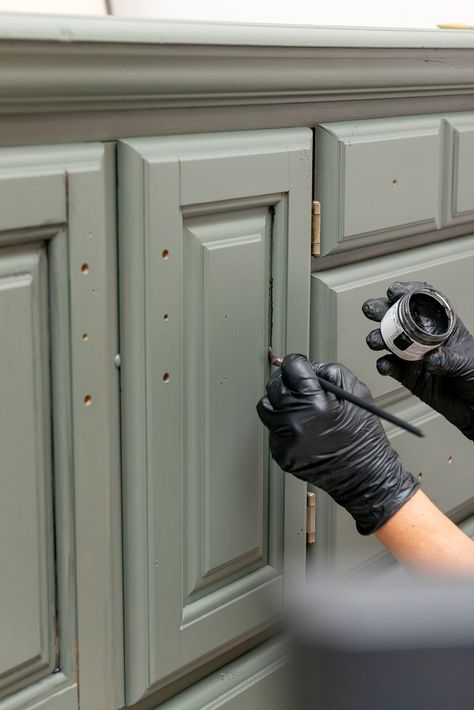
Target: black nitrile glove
(332,443)
(444,379)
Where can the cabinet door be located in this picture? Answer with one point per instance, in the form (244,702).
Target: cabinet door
(56,435)
(214,268)
(443,459)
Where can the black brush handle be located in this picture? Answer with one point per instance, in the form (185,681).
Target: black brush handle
(363,404)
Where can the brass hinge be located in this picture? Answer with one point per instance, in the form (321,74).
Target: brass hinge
(316,229)
(310,517)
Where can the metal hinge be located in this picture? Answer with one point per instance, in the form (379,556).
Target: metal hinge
(316,228)
(310,517)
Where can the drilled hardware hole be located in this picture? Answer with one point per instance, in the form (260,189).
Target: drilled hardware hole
(450,459)
(85,268)
(166,377)
(88,400)
(165,254)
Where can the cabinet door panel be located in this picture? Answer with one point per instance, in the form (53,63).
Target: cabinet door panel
(338,331)
(56,431)
(206,287)
(220,394)
(27,616)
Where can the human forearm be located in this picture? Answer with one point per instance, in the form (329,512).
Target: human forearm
(421,537)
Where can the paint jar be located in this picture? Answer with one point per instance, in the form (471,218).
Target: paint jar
(418,322)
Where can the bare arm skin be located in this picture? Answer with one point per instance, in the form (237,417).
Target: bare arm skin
(422,538)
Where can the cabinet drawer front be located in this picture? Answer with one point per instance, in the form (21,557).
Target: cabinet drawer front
(214,245)
(376,180)
(443,460)
(379,180)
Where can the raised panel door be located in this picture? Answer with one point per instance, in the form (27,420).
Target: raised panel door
(214,264)
(58,437)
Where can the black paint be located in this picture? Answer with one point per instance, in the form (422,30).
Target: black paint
(428,314)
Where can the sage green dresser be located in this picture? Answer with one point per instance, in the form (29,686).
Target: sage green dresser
(156,190)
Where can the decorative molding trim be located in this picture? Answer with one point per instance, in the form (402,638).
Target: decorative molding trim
(63,28)
(75,64)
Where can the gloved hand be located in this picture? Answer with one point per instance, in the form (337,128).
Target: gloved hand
(444,379)
(332,443)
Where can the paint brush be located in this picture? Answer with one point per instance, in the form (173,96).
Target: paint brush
(362,403)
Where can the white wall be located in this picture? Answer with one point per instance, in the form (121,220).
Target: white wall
(381,13)
(369,13)
(55,7)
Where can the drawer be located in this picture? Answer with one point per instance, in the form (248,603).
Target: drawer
(443,459)
(383,179)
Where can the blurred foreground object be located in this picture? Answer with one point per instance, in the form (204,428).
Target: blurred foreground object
(380,645)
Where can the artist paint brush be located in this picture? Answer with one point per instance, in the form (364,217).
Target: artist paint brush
(362,403)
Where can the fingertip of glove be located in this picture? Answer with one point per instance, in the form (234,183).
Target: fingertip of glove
(369,307)
(298,374)
(385,366)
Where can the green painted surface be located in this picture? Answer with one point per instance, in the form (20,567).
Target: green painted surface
(367,179)
(113,30)
(52,444)
(27,608)
(227,262)
(256,681)
(385,179)
(205,508)
(463,166)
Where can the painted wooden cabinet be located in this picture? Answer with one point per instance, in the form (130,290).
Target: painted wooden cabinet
(156,182)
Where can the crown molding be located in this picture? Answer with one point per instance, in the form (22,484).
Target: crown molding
(73,64)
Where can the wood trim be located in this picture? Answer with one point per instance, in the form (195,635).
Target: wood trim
(118,30)
(74,64)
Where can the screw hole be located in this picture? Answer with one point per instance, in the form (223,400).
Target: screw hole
(394,183)
(85,337)
(420,476)
(85,268)
(166,317)
(165,254)
(166,377)
(88,400)
(450,459)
